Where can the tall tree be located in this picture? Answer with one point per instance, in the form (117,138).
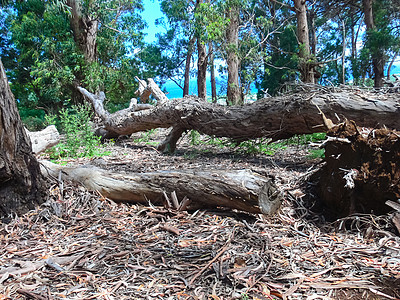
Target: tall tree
(21,183)
(232,61)
(84,28)
(60,44)
(212,72)
(182,20)
(307,64)
(202,57)
(378,40)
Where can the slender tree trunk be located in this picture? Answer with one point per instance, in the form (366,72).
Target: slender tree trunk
(353,47)
(313,43)
(378,61)
(21,183)
(232,40)
(391,64)
(212,73)
(84,29)
(201,69)
(306,66)
(187,66)
(343,55)
(353,36)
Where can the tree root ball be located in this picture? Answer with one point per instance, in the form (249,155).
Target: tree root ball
(362,170)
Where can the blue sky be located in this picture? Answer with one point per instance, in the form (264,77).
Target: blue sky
(150,14)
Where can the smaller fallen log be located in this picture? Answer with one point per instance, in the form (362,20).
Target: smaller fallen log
(235,189)
(42,140)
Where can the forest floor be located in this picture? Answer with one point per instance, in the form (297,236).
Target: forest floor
(79,245)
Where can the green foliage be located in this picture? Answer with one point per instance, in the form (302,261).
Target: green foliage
(305,139)
(209,22)
(194,138)
(33,119)
(145,137)
(316,153)
(280,60)
(44,61)
(48,59)
(260,146)
(257,146)
(80,140)
(244,296)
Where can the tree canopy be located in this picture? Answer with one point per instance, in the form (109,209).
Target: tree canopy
(51,47)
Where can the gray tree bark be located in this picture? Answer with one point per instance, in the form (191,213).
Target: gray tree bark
(21,183)
(233,94)
(212,73)
(378,58)
(306,65)
(187,66)
(84,29)
(275,118)
(202,63)
(236,189)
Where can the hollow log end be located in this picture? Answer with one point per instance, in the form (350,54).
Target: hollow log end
(270,198)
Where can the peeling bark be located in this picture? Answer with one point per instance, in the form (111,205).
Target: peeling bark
(84,29)
(43,140)
(232,40)
(275,118)
(201,70)
(235,189)
(378,58)
(21,183)
(306,64)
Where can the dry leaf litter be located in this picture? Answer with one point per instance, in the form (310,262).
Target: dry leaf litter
(79,245)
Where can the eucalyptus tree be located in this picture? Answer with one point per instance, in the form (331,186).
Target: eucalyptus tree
(21,183)
(62,44)
(182,22)
(381,20)
(372,28)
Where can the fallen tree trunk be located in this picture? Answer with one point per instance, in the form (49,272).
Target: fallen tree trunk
(44,139)
(236,189)
(275,118)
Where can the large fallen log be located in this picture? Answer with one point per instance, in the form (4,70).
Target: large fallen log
(236,189)
(276,118)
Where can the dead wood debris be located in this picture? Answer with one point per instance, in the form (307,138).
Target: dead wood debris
(81,246)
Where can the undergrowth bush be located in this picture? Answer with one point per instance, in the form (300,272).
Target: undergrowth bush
(79,138)
(263,145)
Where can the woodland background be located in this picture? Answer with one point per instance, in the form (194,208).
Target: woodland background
(50,47)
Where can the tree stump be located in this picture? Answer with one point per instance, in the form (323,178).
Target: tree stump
(362,170)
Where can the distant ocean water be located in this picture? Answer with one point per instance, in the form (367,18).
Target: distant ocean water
(174,91)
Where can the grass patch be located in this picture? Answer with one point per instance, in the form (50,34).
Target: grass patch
(145,137)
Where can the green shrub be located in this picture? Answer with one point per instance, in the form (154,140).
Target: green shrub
(305,139)
(33,119)
(316,153)
(80,140)
(195,138)
(145,137)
